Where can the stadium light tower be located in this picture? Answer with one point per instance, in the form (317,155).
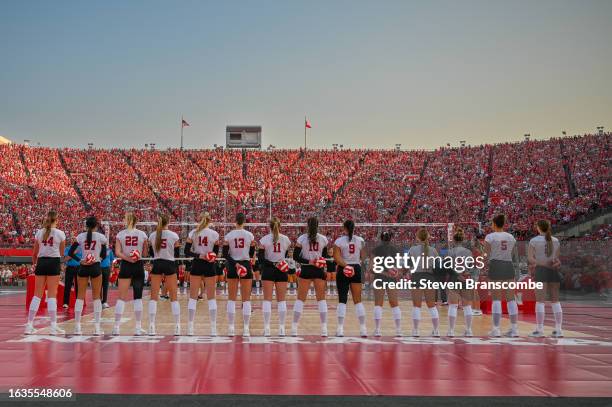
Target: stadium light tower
(600,130)
(152,146)
(398,146)
(527,136)
(462,143)
(90,145)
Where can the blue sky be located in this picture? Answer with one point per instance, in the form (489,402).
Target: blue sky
(367,74)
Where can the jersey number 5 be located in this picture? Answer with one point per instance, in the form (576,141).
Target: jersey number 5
(503,245)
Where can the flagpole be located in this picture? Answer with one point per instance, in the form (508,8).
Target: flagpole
(182,132)
(304,133)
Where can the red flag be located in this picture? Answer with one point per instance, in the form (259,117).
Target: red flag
(307,124)
(184,123)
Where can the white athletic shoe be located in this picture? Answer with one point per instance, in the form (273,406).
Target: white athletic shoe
(363,332)
(495,333)
(557,333)
(246,332)
(450,333)
(231,330)
(324,331)
(177,330)
(511,333)
(415,333)
(115,330)
(65,306)
(476,313)
(435,333)
(536,334)
(294,330)
(29,329)
(139,331)
(340,331)
(398,333)
(468,333)
(281,330)
(98,330)
(77,329)
(105,305)
(377,332)
(152,330)
(267,330)
(190,329)
(213,330)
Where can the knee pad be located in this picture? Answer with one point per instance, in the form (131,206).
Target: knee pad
(433,313)
(496,307)
(378,311)
(266,306)
(246,308)
(416,313)
(322,306)
(452,310)
(138,305)
(360,309)
(212,305)
(298,306)
(556,307)
(341,310)
(282,306)
(397,312)
(231,307)
(192,304)
(119,307)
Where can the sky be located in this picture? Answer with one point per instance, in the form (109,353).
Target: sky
(366,73)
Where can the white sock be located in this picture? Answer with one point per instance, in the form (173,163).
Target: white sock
(119,307)
(246,312)
(176,311)
(34,305)
(138,312)
(52,310)
(266,308)
(361,314)
(323,311)
(435,317)
(212,311)
(558,313)
(152,311)
(298,307)
(231,312)
(78,310)
(467,314)
(452,316)
(97,306)
(540,310)
(282,312)
(513,313)
(416,318)
(397,316)
(191,309)
(378,313)
(341,313)
(496,312)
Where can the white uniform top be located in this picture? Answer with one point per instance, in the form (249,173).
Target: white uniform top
(168,240)
(94,246)
(131,239)
(461,251)
(538,244)
(420,261)
(502,244)
(351,251)
(311,251)
(204,241)
(275,252)
(49,247)
(239,241)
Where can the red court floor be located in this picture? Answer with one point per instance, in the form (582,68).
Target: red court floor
(311,365)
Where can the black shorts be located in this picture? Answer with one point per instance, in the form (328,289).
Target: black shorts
(355,279)
(384,277)
(420,276)
(48,266)
(272,273)
(219,268)
(92,270)
(203,268)
(231,269)
(164,267)
(546,275)
(131,270)
(500,270)
(310,272)
(291,272)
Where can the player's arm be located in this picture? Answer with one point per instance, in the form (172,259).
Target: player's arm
(72,251)
(531,260)
(338,257)
(35,252)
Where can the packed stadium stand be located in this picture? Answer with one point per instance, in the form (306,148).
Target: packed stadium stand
(560,179)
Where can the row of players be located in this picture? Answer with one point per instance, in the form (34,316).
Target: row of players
(239,248)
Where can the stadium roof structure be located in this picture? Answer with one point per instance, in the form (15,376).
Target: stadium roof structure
(4,140)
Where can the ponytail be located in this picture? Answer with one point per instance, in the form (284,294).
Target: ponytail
(204,222)
(48,224)
(349,225)
(423,237)
(130,220)
(275,227)
(545,228)
(313,229)
(162,222)
(90,223)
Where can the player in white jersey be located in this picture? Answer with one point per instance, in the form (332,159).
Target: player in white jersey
(460,275)
(202,245)
(308,253)
(49,244)
(131,245)
(93,248)
(239,251)
(165,245)
(423,253)
(543,257)
(348,253)
(501,250)
(272,256)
